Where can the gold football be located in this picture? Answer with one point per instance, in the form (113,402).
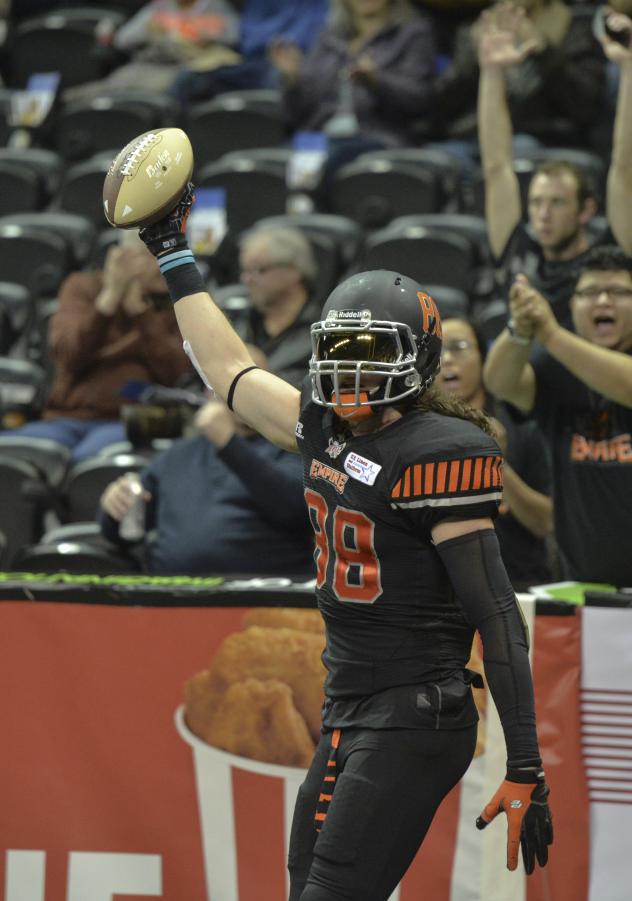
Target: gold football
(147,178)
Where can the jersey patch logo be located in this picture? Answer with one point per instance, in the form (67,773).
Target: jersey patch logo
(319,470)
(335,448)
(361,469)
(299,429)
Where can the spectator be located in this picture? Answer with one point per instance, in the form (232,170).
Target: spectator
(262,23)
(366,81)
(578,386)
(111,327)
(224,501)
(278,267)
(525,516)
(553,93)
(560,202)
(160,38)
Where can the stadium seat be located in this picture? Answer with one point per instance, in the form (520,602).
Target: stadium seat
(34,258)
(88,532)
(5,116)
(55,42)
(50,457)
(492,319)
(23,491)
(450,301)
(431,256)
(347,234)
(235,120)
(20,188)
(472,227)
(443,165)
(253,189)
(73,557)
(82,190)
(103,124)
(16,316)
(76,232)
(23,388)
(375,191)
(46,164)
(326,253)
(87,480)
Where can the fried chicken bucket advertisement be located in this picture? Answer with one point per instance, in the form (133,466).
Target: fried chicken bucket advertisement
(156,752)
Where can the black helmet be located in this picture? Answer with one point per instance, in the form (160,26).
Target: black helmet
(378,323)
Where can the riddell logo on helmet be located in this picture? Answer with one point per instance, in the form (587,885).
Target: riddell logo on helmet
(336,316)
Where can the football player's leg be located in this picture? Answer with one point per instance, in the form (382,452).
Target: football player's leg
(385,798)
(304,832)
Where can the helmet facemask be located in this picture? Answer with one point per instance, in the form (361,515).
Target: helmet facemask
(349,349)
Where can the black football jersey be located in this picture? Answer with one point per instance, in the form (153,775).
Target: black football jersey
(390,612)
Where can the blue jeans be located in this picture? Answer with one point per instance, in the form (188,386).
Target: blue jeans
(85,438)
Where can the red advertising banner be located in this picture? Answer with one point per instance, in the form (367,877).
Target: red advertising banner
(107,795)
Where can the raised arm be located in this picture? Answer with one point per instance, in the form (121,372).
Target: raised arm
(263,400)
(497,49)
(507,373)
(619,189)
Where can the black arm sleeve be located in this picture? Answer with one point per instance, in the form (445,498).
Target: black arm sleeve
(483,590)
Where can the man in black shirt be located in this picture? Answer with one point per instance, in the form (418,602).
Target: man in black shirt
(578,385)
(402,490)
(561,204)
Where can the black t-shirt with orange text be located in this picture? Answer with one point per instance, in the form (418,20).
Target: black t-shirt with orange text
(590,439)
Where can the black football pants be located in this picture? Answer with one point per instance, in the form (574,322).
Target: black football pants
(389,785)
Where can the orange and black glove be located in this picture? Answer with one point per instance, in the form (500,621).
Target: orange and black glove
(168,234)
(523,796)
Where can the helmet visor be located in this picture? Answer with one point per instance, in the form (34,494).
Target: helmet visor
(355,346)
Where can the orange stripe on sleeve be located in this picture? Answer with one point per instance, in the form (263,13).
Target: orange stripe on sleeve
(417,471)
(406,489)
(454,476)
(442,469)
(466,474)
(478,468)
(497,475)
(335,738)
(487,475)
(397,490)
(428,477)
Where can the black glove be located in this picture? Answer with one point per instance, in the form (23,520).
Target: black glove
(168,234)
(523,796)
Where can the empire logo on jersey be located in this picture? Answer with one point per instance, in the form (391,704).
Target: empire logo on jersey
(320,470)
(299,429)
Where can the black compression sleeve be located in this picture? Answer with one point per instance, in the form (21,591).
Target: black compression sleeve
(483,590)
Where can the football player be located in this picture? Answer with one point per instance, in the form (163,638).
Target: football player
(402,490)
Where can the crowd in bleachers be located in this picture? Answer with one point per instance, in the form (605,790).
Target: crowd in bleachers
(473,146)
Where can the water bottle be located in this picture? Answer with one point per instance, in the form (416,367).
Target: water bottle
(132,526)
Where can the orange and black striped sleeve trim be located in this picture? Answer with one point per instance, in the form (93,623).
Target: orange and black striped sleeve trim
(449,482)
